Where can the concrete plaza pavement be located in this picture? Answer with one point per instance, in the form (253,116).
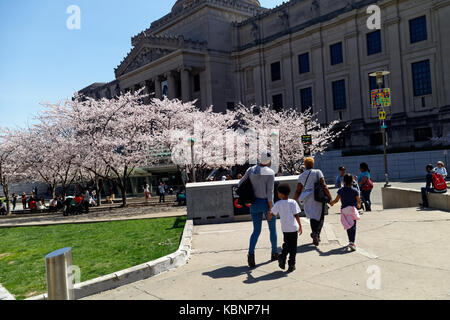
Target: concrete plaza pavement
(407,249)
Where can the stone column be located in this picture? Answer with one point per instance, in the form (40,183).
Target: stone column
(397,75)
(185,85)
(158,91)
(171,84)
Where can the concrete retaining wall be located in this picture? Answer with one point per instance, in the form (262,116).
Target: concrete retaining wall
(137,273)
(394,198)
(5,295)
(212,202)
(401,165)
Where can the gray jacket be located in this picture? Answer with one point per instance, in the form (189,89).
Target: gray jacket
(262,179)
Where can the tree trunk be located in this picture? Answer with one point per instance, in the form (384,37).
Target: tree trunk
(123,189)
(63,191)
(97,191)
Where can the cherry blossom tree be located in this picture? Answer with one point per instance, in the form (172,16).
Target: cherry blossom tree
(287,127)
(115,136)
(52,149)
(12,166)
(207,130)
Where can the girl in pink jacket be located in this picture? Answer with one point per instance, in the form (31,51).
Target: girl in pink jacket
(351,202)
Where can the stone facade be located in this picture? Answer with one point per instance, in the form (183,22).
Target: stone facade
(222,52)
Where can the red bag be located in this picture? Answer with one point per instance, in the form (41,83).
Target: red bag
(439,183)
(368,186)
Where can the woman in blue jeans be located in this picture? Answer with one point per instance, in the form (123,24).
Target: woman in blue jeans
(262,179)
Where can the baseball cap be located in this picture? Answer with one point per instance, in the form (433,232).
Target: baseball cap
(265,157)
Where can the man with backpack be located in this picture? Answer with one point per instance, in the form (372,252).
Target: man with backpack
(435,183)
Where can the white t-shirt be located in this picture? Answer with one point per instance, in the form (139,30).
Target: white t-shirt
(286,210)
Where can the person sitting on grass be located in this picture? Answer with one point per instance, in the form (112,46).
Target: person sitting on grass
(351,202)
(181,197)
(52,206)
(40,204)
(2,208)
(289,212)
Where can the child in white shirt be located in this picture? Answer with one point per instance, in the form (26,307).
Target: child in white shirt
(289,212)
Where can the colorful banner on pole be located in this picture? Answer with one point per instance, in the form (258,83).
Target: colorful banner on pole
(307,140)
(381,98)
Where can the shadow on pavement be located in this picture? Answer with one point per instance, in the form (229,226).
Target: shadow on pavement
(267,277)
(338,251)
(306,248)
(232,272)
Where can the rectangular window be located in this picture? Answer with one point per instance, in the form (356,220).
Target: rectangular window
(275,69)
(339,97)
(277,101)
(306,98)
(421,78)
(303,63)
(374,42)
(423,134)
(418,29)
(336,54)
(197,83)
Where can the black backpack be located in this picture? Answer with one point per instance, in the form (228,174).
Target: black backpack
(246,193)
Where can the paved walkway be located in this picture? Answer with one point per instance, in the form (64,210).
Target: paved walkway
(119,214)
(407,248)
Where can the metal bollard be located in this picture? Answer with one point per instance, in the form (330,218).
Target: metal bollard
(58,265)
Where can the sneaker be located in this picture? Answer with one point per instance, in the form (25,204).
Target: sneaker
(282,263)
(352,247)
(291,269)
(274,257)
(251,260)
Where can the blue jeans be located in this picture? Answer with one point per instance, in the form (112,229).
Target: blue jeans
(365,197)
(424,196)
(259,209)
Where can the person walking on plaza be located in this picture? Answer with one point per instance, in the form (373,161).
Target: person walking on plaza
(365,185)
(289,213)
(147,192)
(14,201)
(440,169)
(340,178)
(305,194)
(351,202)
(162,192)
(86,200)
(435,183)
(24,201)
(262,179)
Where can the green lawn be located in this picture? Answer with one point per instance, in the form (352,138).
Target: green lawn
(97,248)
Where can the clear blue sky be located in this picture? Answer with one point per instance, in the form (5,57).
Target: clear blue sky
(42,60)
